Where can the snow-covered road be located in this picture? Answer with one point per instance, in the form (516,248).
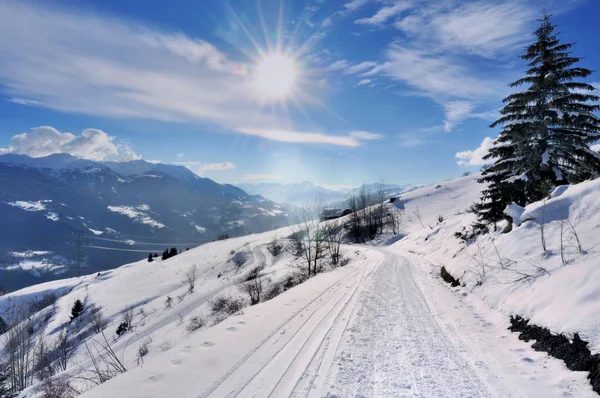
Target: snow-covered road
(380,328)
(396,347)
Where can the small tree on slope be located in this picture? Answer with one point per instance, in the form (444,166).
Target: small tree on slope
(547,129)
(77,309)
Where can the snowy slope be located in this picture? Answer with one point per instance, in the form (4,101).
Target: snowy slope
(563,297)
(380,327)
(384,325)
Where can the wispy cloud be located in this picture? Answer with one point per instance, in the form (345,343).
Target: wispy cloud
(363,82)
(103,66)
(302,137)
(217,166)
(354,69)
(441,42)
(365,135)
(339,65)
(456,112)
(385,13)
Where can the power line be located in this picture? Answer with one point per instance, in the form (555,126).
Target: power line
(116,249)
(132,242)
(78,254)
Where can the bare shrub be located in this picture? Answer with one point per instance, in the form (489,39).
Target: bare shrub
(143,350)
(168,302)
(97,321)
(309,238)
(275,247)
(253,288)
(105,361)
(56,387)
(274,291)
(254,273)
(226,305)
(18,350)
(190,276)
(292,280)
(334,234)
(195,323)
(63,350)
(43,359)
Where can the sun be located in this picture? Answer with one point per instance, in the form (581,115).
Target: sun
(275,76)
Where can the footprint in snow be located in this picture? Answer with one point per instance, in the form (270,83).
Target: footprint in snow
(156,378)
(231,329)
(527,359)
(208,344)
(176,361)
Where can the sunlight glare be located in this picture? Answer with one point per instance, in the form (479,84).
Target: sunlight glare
(275,75)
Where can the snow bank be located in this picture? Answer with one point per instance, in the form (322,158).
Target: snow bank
(511,271)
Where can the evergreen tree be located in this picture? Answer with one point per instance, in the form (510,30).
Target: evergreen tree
(150,258)
(77,309)
(547,129)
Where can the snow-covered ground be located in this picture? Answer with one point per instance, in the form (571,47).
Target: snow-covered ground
(384,325)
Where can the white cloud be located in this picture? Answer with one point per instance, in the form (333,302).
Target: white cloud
(385,13)
(484,28)
(365,135)
(77,62)
(217,166)
(355,4)
(475,157)
(437,76)
(43,141)
(456,112)
(441,40)
(179,155)
(339,65)
(363,82)
(297,137)
(354,69)
(128,156)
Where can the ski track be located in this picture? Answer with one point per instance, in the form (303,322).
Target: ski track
(372,334)
(244,380)
(396,347)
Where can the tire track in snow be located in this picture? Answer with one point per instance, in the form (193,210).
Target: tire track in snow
(396,347)
(246,371)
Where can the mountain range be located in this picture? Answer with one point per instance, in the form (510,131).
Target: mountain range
(61,213)
(303,193)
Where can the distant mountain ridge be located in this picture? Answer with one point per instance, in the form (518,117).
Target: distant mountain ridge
(59,204)
(303,193)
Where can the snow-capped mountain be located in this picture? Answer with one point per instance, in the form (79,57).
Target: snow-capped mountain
(112,213)
(303,193)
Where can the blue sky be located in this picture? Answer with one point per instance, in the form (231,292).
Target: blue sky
(401,91)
